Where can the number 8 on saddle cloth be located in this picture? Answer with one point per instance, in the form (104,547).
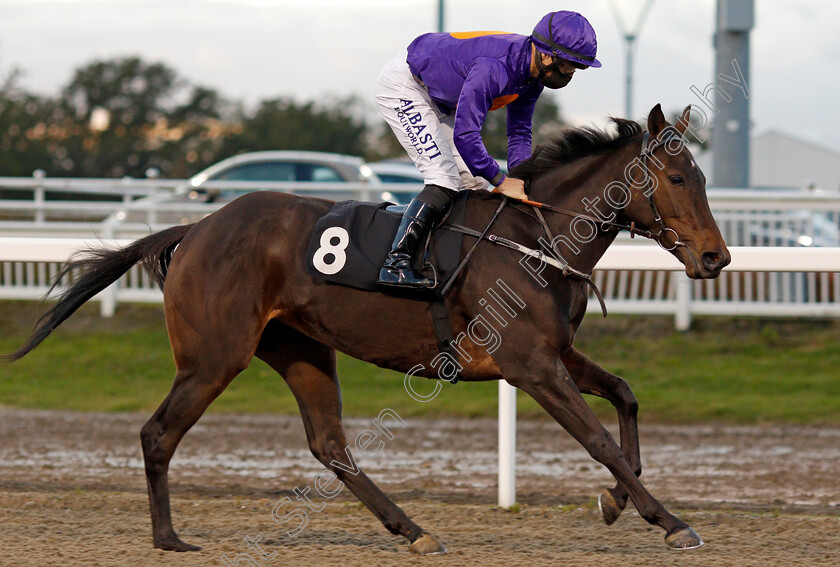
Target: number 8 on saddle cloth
(349,244)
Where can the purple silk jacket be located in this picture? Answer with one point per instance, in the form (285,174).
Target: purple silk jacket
(471,74)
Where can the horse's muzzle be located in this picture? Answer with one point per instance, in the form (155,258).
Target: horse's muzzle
(711,262)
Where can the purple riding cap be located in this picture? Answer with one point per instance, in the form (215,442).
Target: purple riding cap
(567,35)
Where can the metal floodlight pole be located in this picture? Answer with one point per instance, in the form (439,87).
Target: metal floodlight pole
(734,21)
(630,36)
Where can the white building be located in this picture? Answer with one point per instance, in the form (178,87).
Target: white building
(778,159)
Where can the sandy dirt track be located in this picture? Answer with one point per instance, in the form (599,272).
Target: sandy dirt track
(72,492)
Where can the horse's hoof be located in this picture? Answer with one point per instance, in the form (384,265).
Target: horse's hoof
(427,545)
(685,538)
(176,545)
(610,509)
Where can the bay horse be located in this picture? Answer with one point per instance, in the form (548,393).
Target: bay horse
(235,286)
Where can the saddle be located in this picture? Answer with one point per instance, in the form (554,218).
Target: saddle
(350,243)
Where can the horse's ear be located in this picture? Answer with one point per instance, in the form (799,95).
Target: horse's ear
(683,121)
(656,121)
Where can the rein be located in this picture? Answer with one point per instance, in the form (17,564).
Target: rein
(646,152)
(556,260)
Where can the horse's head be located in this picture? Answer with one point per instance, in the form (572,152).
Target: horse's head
(669,198)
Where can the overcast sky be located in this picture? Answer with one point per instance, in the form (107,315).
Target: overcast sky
(256,49)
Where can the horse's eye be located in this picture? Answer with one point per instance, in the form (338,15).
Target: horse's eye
(676,180)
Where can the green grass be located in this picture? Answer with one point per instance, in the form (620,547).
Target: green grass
(726,370)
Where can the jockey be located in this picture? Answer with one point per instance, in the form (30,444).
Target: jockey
(436,98)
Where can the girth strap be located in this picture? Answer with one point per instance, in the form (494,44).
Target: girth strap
(443,331)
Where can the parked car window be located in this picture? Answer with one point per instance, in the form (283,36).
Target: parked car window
(259,171)
(318,173)
(395,178)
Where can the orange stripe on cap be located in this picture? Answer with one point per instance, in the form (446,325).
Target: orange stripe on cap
(472,34)
(504,100)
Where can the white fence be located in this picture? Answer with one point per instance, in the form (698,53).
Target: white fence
(746,218)
(132,207)
(635,279)
(37,206)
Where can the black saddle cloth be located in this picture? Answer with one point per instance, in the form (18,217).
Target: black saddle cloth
(349,244)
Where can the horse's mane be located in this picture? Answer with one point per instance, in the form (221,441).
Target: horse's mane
(575,143)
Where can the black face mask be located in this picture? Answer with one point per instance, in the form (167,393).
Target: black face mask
(556,80)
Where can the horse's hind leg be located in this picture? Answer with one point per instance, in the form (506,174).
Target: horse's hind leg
(309,368)
(592,379)
(205,367)
(191,393)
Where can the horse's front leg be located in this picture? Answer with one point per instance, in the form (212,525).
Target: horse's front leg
(543,376)
(592,379)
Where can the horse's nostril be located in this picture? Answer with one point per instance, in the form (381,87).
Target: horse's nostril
(712,260)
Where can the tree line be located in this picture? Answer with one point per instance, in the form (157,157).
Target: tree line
(124,116)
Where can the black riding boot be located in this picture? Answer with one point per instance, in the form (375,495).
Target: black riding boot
(418,219)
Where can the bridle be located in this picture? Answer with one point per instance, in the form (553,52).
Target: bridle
(649,145)
(648,148)
(555,258)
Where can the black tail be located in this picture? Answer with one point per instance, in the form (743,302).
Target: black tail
(100,268)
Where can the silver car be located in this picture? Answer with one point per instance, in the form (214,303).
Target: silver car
(245,172)
(315,174)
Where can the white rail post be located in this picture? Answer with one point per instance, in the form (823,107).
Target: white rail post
(39,196)
(108,301)
(682,315)
(507,444)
